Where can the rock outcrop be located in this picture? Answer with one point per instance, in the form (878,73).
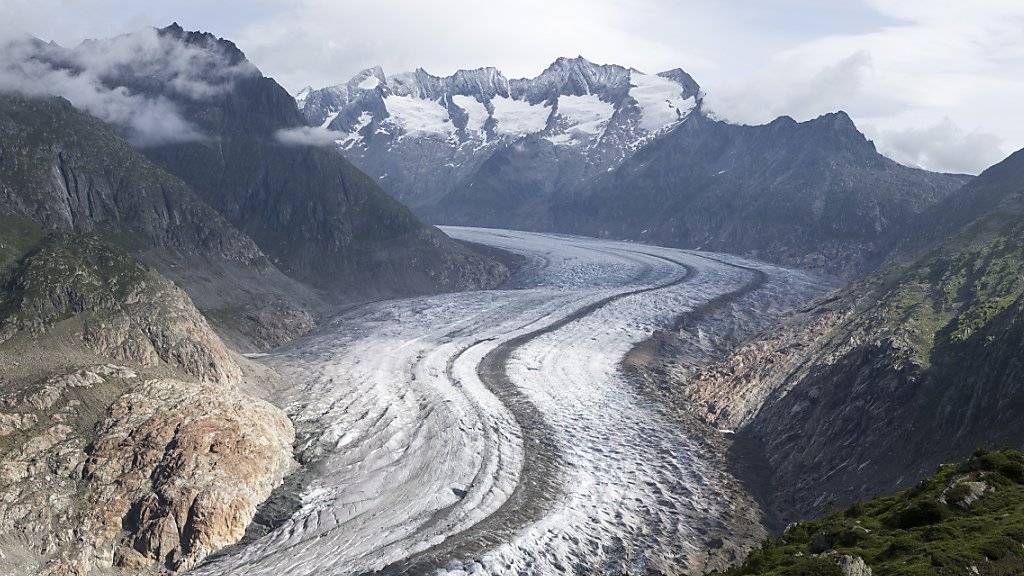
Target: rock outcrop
(156,455)
(177,470)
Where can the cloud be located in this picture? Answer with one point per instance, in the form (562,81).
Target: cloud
(306,136)
(902,82)
(802,92)
(134,81)
(325,42)
(942,146)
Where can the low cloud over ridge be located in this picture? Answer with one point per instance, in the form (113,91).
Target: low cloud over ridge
(108,79)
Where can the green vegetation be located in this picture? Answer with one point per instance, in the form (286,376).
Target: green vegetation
(67,276)
(17,238)
(936,527)
(943,298)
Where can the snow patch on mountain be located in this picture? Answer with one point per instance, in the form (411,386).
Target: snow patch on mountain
(586,115)
(474,109)
(415,116)
(355,136)
(519,117)
(330,118)
(661,100)
(302,95)
(370,83)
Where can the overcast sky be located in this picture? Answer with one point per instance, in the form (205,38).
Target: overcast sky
(936,83)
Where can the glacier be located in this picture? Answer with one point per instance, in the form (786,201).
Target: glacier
(493,433)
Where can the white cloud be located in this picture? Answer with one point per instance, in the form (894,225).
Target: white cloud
(903,82)
(306,136)
(91,75)
(944,144)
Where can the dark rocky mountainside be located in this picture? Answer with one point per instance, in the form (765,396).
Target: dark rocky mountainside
(320,219)
(63,170)
(917,365)
(812,194)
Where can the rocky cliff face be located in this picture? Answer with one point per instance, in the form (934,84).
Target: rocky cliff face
(63,170)
(126,437)
(915,366)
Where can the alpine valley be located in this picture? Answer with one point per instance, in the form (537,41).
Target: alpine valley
(641,340)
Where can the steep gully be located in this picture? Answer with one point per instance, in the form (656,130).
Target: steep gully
(507,441)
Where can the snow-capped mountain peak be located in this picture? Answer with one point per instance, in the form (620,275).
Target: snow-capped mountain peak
(594,115)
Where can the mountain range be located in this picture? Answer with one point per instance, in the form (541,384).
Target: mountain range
(423,135)
(604,150)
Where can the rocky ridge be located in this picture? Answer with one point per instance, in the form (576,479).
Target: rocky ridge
(814,194)
(319,218)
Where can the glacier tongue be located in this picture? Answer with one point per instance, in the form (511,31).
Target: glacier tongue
(414,464)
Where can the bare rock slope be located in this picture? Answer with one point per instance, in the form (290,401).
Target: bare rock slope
(127,437)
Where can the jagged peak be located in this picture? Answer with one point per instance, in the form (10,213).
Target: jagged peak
(690,86)
(563,63)
(839,119)
(205,40)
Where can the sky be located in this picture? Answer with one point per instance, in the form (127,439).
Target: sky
(935,83)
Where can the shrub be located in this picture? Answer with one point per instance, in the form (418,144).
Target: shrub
(901,546)
(810,566)
(1014,471)
(920,513)
(958,494)
(940,533)
(992,461)
(1016,532)
(998,547)
(856,510)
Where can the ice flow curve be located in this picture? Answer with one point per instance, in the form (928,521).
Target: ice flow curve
(549,463)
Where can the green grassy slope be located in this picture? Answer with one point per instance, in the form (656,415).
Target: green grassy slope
(936,527)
